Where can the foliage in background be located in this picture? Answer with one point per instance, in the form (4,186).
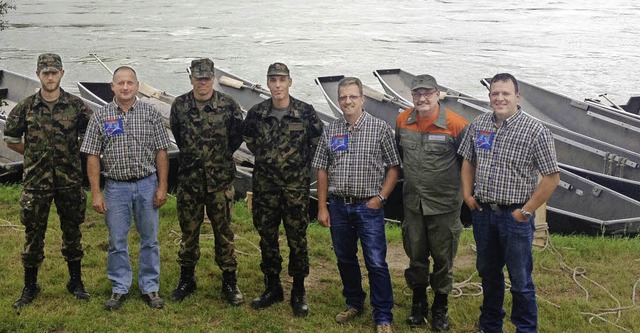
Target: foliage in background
(4,8)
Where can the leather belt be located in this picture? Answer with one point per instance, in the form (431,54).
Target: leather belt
(499,208)
(130,180)
(352,200)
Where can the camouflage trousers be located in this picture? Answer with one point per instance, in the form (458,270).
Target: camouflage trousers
(34,215)
(192,203)
(291,207)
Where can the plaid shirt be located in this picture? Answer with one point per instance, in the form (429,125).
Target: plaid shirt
(508,159)
(127,141)
(356,159)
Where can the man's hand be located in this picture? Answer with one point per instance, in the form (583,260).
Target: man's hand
(323,217)
(472,203)
(159,198)
(374,203)
(97,202)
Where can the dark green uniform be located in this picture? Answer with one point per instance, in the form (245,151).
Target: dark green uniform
(52,171)
(283,152)
(207,140)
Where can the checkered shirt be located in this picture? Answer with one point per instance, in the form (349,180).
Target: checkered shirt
(358,171)
(128,151)
(507,170)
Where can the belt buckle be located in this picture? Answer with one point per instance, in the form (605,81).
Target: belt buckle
(349,200)
(495,207)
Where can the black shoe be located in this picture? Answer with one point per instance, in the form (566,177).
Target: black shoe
(299,305)
(273,293)
(115,302)
(75,285)
(418,317)
(76,288)
(440,319)
(29,293)
(185,288)
(153,300)
(230,289)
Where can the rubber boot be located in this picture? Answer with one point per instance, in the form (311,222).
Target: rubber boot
(272,294)
(31,287)
(75,285)
(186,285)
(419,307)
(298,303)
(230,288)
(439,313)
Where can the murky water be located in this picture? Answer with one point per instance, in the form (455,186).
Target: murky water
(579,48)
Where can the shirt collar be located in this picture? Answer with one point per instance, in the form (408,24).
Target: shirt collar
(441,119)
(511,119)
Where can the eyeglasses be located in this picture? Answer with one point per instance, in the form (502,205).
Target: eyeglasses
(350,97)
(428,94)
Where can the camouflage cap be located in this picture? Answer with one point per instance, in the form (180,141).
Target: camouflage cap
(50,62)
(202,68)
(424,81)
(278,68)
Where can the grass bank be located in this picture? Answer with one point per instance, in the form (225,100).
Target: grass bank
(577,278)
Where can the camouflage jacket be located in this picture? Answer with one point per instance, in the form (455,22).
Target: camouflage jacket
(206,139)
(51,140)
(284,148)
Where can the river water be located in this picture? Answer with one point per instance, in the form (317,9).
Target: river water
(580,48)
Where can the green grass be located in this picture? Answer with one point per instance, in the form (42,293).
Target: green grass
(611,262)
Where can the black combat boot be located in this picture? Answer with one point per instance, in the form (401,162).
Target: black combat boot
(75,285)
(298,304)
(230,288)
(31,287)
(273,292)
(419,307)
(186,285)
(439,313)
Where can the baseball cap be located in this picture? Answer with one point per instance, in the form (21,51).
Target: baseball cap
(278,68)
(49,62)
(424,81)
(202,68)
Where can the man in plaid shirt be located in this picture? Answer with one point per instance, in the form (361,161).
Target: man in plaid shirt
(504,152)
(358,166)
(130,139)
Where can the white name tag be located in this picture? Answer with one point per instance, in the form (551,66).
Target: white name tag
(437,137)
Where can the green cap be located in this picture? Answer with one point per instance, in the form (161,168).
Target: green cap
(277,68)
(424,81)
(49,62)
(202,68)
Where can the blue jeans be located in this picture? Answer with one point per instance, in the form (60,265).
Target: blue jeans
(122,200)
(501,240)
(348,223)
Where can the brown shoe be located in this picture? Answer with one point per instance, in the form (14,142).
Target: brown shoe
(153,300)
(384,328)
(115,302)
(347,315)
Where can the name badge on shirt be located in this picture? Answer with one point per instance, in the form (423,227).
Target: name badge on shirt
(484,140)
(340,143)
(113,127)
(295,127)
(437,137)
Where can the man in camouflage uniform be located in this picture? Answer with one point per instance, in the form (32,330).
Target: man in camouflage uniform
(207,126)
(282,132)
(51,122)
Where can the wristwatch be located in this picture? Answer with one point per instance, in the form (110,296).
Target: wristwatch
(382,199)
(527,215)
